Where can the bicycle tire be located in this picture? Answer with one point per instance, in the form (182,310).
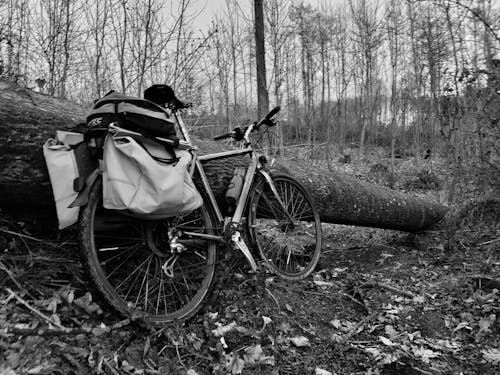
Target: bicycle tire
(290,251)
(112,244)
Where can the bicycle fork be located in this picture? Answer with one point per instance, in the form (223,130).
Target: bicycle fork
(231,225)
(236,239)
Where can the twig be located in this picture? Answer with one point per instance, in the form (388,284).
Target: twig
(36,311)
(60,332)
(274,298)
(356,301)
(489,242)
(110,368)
(39,331)
(29,237)
(11,276)
(388,287)
(359,326)
(312,333)
(179,356)
(422,371)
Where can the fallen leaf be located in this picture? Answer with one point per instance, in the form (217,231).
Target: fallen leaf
(99,331)
(254,355)
(80,352)
(414,335)
(234,363)
(336,338)
(269,281)
(388,358)
(338,270)
(300,341)
(491,355)
(374,351)
(484,325)
(266,320)
(55,318)
(223,342)
(386,341)
(52,306)
(194,340)
(222,330)
(323,284)
(461,326)
(6,371)
(424,354)
(336,323)
(85,302)
(127,366)
(285,327)
(37,369)
(389,330)
(320,371)
(418,299)
(191,372)
(13,359)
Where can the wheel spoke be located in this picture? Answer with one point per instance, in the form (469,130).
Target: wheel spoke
(289,249)
(125,257)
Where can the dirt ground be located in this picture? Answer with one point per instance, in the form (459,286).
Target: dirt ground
(379,302)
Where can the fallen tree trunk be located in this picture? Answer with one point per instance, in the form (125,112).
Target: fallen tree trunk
(25,188)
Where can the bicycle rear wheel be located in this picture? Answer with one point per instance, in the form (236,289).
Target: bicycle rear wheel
(134,267)
(289,244)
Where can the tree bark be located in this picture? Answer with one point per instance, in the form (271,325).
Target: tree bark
(262,94)
(25,188)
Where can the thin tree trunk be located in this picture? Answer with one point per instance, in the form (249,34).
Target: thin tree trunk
(262,94)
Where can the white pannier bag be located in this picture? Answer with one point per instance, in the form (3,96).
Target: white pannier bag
(63,170)
(145,180)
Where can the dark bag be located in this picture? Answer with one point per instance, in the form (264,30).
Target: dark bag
(135,114)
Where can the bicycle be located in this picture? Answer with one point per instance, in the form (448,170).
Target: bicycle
(161,271)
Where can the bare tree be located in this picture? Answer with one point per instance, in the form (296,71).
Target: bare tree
(263,97)
(368,37)
(57,26)
(98,17)
(394,27)
(276,11)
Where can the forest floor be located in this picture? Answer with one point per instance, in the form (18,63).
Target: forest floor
(379,302)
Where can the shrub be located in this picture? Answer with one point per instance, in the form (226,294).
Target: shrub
(425,180)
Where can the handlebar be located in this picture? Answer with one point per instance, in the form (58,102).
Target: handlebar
(222,136)
(239,133)
(272,112)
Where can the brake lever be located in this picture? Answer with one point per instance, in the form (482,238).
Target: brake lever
(270,122)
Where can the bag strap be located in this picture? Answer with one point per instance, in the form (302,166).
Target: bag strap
(173,160)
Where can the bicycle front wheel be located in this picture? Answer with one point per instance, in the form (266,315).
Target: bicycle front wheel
(288,234)
(136,269)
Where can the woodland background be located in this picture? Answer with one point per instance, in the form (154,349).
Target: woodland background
(366,87)
(405,75)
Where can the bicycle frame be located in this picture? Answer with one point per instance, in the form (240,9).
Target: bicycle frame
(253,168)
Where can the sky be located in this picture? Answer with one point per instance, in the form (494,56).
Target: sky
(209,9)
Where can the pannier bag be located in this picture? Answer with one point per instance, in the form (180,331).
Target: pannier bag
(145,179)
(63,172)
(131,113)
